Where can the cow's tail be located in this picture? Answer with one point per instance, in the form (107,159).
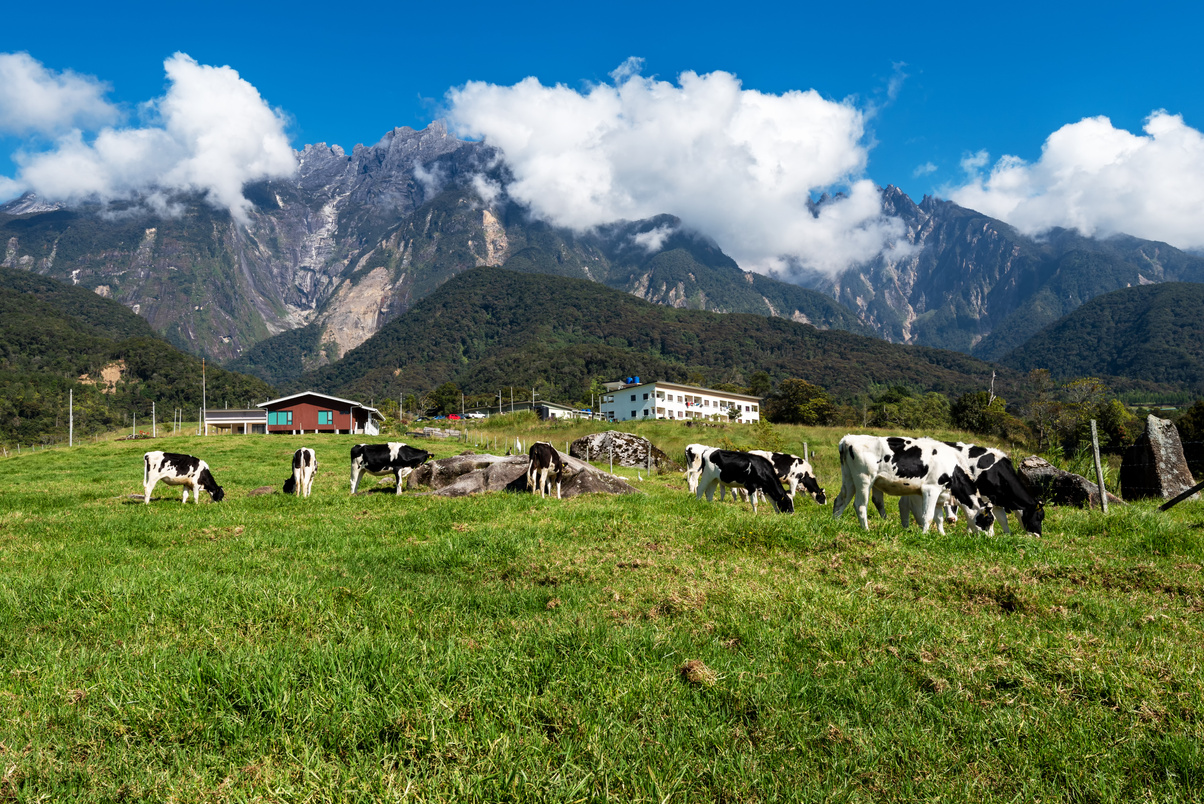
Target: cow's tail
(145,470)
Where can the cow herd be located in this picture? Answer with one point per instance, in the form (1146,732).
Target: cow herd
(932,479)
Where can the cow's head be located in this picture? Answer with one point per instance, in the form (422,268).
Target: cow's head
(210,485)
(812,486)
(1033,517)
(984,518)
(785,505)
(290,485)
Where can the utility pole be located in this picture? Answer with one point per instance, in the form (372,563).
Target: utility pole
(154,432)
(204,427)
(71,417)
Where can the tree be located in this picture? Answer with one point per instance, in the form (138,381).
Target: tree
(1044,411)
(759,384)
(979,413)
(1191,433)
(446,399)
(798,402)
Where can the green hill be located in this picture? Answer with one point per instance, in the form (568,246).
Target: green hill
(491,328)
(56,338)
(1153,333)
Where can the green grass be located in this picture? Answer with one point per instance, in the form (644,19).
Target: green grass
(505,648)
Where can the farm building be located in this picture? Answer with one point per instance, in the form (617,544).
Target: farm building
(668,400)
(311,412)
(235,421)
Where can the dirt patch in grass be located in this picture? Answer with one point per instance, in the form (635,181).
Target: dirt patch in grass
(696,673)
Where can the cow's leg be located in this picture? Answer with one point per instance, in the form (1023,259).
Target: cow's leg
(146,491)
(930,496)
(861,499)
(847,487)
(397,473)
(710,490)
(1001,516)
(904,511)
(355,477)
(752,497)
(880,504)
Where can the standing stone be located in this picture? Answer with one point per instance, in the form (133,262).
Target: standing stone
(1154,466)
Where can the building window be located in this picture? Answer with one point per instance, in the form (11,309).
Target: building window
(645,413)
(645,396)
(280,417)
(633,414)
(754,410)
(325,417)
(633,397)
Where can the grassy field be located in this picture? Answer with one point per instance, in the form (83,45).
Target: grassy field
(638,648)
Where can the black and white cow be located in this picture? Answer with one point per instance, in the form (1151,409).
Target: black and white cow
(906,466)
(176,469)
(730,469)
(393,458)
(543,464)
(305,465)
(995,478)
(694,455)
(794,472)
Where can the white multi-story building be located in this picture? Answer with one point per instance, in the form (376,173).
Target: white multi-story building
(670,400)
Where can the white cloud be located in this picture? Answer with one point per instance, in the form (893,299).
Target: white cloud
(737,164)
(34,100)
(924,170)
(1101,180)
(654,239)
(213,134)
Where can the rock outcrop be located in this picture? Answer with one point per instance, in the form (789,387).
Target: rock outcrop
(629,450)
(1154,466)
(1054,486)
(473,473)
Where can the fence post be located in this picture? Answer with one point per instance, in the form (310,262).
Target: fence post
(806,457)
(612,456)
(1099,470)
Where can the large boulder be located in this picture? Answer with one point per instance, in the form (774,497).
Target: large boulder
(472,473)
(1055,486)
(629,450)
(1154,466)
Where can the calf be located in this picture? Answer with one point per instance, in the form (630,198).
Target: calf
(905,466)
(305,466)
(176,469)
(393,458)
(995,478)
(542,461)
(794,472)
(754,474)
(694,455)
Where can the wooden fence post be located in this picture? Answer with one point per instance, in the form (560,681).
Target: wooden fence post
(1099,470)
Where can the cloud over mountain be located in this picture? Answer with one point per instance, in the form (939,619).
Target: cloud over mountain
(737,164)
(211,132)
(34,100)
(1100,180)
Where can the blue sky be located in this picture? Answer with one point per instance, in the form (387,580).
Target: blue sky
(937,82)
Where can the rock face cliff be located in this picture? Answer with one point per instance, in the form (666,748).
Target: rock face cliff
(964,281)
(352,241)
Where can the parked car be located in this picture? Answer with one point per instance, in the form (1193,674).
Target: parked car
(454,417)
(474,415)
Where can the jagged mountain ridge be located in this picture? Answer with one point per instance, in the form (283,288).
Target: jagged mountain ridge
(965,281)
(351,242)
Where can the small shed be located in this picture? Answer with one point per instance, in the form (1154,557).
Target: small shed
(311,412)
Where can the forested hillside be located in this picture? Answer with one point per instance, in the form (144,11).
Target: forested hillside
(490,328)
(1153,333)
(56,338)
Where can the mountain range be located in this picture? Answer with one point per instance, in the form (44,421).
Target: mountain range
(353,241)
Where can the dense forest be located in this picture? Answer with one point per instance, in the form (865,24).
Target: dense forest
(56,339)
(491,328)
(1154,333)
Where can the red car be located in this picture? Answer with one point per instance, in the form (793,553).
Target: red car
(454,416)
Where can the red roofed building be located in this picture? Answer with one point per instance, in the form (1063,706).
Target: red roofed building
(311,412)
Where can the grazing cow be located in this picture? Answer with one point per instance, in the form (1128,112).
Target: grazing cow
(543,462)
(905,466)
(794,472)
(727,468)
(995,478)
(176,469)
(393,458)
(305,465)
(694,455)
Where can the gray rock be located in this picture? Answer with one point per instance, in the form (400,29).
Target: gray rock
(261,490)
(472,473)
(1154,466)
(1055,486)
(629,450)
